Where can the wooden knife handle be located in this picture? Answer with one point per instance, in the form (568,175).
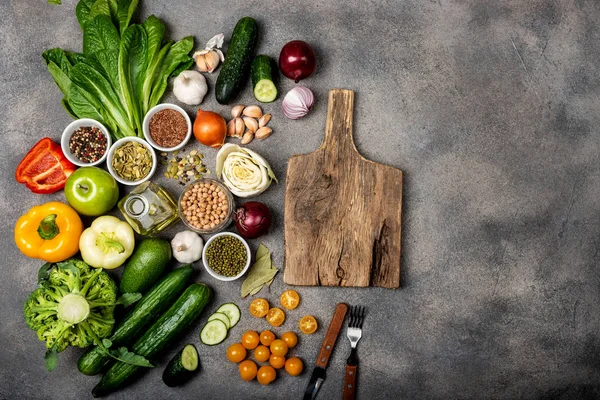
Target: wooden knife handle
(350,382)
(332,333)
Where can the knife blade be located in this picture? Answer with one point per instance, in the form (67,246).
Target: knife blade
(318,374)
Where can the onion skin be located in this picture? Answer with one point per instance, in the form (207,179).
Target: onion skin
(252,219)
(210,128)
(297,60)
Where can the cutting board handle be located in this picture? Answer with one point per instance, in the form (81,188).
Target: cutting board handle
(338,129)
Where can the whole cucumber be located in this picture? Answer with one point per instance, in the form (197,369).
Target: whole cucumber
(150,306)
(180,316)
(235,69)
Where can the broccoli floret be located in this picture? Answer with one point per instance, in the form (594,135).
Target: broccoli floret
(74,307)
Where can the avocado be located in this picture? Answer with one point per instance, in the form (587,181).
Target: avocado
(147,263)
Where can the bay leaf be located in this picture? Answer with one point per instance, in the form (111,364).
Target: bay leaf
(262,251)
(252,293)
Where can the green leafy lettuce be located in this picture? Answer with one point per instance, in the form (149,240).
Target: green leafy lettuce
(124,68)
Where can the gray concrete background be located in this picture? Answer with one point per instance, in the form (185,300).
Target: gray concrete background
(491,110)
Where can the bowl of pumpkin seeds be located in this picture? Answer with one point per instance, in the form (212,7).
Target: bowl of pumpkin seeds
(131,161)
(226,256)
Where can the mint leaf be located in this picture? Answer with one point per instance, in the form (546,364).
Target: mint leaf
(106,343)
(51,358)
(128,299)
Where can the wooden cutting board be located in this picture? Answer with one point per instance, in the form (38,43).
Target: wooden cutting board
(342,212)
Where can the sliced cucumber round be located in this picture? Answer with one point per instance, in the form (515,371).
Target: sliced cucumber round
(214,332)
(189,357)
(232,312)
(222,317)
(182,367)
(265,91)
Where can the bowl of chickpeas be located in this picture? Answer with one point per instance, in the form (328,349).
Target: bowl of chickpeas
(206,206)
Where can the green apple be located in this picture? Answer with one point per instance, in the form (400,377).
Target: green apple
(91,191)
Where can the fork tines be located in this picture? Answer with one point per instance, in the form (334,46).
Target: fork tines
(357,316)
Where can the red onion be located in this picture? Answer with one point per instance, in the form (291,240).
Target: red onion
(297,102)
(252,219)
(297,60)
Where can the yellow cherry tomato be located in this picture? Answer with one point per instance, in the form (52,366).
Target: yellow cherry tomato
(308,324)
(290,339)
(275,316)
(279,348)
(290,299)
(250,340)
(266,374)
(262,353)
(259,307)
(294,366)
(236,353)
(248,370)
(277,362)
(267,337)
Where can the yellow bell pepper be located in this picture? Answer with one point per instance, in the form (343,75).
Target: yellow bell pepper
(107,243)
(49,232)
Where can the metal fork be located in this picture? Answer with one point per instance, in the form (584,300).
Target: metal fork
(354,333)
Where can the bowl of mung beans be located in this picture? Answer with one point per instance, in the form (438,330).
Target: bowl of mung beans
(226,256)
(206,206)
(131,160)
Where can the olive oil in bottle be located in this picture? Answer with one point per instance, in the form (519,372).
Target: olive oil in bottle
(149,209)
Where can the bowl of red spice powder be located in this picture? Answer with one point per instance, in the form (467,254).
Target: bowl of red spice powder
(85,142)
(167,127)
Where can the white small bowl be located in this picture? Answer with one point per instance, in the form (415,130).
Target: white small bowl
(211,271)
(68,132)
(119,143)
(160,107)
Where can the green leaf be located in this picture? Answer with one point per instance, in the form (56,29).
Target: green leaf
(125,13)
(132,67)
(262,251)
(44,272)
(67,107)
(69,266)
(100,34)
(100,7)
(177,54)
(128,357)
(128,299)
(82,12)
(51,358)
(107,61)
(106,343)
(57,2)
(155,31)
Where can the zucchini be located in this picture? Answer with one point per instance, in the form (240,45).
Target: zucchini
(177,318)
(233,313)
(236,66)
(155,302)
(182,367)
(220,316)
(264,89)
(214,332)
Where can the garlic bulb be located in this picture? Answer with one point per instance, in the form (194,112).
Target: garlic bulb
(297,102)
(208,60)
(190,87)
(187,247)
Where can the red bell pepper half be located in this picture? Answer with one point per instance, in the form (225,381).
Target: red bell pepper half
(45,168)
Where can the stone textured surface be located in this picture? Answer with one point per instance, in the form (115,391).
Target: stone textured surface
(490,109)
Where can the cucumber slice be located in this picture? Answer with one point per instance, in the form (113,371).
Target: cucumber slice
(232,311)
(189,357)
(221,317)
(265,91)
(214,332)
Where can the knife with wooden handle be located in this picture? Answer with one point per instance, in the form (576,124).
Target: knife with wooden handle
(318,375)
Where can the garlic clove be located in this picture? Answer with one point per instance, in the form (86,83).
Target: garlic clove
(247,138)
(236,111)
(251,124)
(252,112)
(264,120)
(263,132)
(231,128)
(239,127)
(207,60)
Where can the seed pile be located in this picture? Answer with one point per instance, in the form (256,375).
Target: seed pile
(88,144)
(132,161)
(168,128)
(226,255)
(205,206)
(184,168)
